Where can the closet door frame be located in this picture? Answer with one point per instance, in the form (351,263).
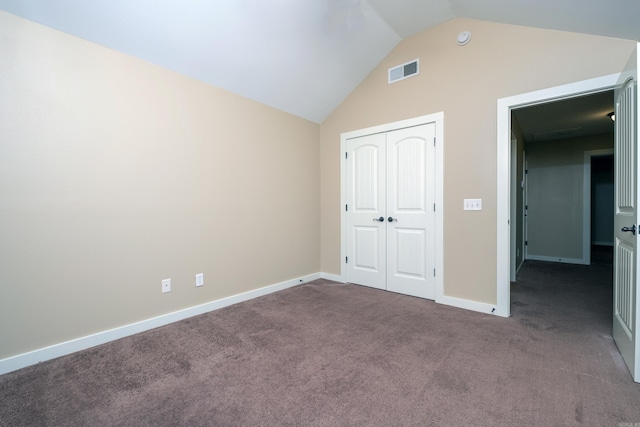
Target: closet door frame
(438,120)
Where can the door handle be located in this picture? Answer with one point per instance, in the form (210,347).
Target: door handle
(381,219)
(391,219)
(632,229)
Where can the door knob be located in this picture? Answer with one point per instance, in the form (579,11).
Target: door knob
(391,219)
(381,219)
(632,229)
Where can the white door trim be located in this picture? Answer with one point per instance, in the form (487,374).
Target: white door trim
(438,119)
(503,142)
(525,205)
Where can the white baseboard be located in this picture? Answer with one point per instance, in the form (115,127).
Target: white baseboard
(47,353)
(557,259)
(445,300)
(57,350)
(470,305)
(334,277)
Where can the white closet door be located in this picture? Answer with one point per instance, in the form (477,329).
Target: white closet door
(410,211)
(390,179)
(366,222)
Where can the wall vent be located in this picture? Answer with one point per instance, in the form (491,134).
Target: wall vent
(404,71)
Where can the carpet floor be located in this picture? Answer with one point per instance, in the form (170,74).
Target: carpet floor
(328,354)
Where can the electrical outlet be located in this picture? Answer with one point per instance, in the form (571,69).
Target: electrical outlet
(199,279)
(166,285)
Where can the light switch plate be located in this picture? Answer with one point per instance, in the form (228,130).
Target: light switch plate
(200,279)
(472,204)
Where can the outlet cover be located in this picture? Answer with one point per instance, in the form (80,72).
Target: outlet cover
(166,285)
(199,279)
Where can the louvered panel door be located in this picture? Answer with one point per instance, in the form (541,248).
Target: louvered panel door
(390,180)
(410,211)
(625,275)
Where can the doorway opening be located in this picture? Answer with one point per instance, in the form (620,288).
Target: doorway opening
(602,208)
(504,126)
(562,140)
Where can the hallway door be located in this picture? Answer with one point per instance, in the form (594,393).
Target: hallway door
(625,276)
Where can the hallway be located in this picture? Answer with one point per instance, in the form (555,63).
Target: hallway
(566,297)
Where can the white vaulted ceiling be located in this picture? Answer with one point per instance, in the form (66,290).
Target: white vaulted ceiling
(300,56)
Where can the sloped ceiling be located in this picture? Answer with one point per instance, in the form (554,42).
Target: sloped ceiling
(300,56)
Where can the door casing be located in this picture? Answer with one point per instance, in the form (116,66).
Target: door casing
(503,150)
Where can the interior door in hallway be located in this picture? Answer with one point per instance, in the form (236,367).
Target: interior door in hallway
(390,210)
(625,275)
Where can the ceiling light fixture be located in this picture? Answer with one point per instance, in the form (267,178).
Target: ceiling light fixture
(612,116)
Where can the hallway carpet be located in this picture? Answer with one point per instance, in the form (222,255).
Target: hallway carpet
(328,354)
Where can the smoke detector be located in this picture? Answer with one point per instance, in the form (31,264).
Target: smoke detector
(463,38)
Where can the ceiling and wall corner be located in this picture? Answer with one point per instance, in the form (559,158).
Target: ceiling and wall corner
(300,57)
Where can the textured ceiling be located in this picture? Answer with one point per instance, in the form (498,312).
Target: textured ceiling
(303,57)
(568,118)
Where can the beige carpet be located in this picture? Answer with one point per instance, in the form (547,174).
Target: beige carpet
(326,354)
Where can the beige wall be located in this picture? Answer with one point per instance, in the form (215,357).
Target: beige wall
(465,83)
(116,174)
(555,218)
